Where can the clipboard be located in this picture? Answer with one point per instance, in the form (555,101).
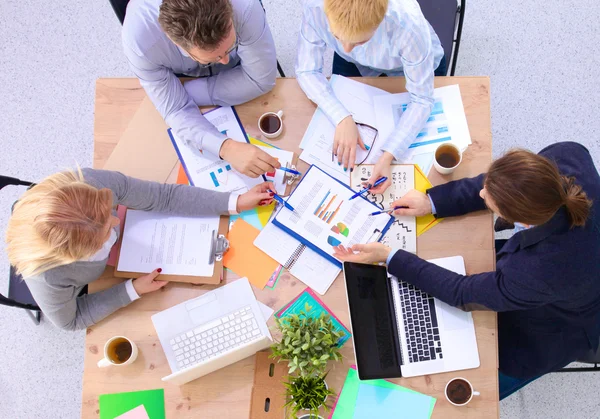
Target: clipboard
(314,247)
(288,178)
(219,246)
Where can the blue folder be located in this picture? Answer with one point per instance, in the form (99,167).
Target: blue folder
(315,247)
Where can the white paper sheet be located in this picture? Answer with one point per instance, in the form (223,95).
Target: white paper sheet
(266,311)
(208,171)
(178,245)
(301,261)
(403,232)
(277,176)
(447,122)
(325,217)
(318,139)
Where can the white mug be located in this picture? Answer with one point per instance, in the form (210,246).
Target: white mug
(279,116)
(473,393)
(111,352)
(454,151)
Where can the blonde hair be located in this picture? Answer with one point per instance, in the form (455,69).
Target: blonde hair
(352,20)
(59,221)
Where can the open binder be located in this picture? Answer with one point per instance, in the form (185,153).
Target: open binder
(329,214)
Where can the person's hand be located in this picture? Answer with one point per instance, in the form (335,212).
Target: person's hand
(258,195)
(363,253)
(148,283)
(344,143)
(247,158)
(382,168)
(417,203)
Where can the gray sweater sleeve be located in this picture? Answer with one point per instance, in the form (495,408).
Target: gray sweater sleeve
(61,305)
(153,196)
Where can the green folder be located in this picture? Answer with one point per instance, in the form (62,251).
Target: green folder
(113,405)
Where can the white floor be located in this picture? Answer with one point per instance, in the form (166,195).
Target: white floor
(542,56)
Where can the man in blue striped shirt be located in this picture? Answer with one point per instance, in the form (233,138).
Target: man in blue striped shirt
(370,38)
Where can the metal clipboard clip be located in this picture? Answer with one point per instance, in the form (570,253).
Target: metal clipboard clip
(218,246)
(290,178)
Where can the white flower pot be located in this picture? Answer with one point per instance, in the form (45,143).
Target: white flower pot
(307,416)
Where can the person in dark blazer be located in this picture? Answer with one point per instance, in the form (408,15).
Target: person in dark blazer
(546,286)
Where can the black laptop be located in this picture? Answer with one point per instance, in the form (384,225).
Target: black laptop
(372,315)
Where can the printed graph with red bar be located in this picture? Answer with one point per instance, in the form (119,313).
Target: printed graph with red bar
(325,211)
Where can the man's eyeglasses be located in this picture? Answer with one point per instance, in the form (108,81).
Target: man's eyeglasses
(229,51)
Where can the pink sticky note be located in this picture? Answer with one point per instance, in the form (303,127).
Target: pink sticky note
(137,413)
(112,256)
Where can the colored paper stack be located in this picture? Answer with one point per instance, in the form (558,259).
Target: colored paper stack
(380,399)
(148,404)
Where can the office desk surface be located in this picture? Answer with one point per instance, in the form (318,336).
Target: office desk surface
(226,393)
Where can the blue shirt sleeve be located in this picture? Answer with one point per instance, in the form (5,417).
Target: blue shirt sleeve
(390,256)
(433,211)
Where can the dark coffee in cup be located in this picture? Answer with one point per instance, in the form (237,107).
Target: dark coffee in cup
(459,391)
(447,156)
(119,351)
(270,123)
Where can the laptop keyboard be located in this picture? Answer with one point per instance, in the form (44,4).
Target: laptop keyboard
(420,324)
(215,337)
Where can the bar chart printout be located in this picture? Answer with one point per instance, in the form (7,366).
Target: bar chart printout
(328,208)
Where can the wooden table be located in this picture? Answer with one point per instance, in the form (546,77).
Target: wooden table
(226,393)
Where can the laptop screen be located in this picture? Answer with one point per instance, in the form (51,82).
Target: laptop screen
(373,321)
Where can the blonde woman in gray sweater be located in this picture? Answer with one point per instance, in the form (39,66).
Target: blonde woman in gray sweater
(61,231)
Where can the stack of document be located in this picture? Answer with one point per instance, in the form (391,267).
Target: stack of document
(320,215)
(380,399)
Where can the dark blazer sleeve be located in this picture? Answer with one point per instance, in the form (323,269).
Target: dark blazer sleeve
(458,197)
(502,290)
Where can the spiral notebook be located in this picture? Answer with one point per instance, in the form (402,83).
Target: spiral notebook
(301,261)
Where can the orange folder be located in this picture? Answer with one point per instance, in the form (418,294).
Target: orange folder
(244,258)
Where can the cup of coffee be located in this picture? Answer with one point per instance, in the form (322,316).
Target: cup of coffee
(459,391)
(118,351)
(270,124)
(447,158)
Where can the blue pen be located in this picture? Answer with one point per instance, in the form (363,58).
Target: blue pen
(292,171)
(377,183)
(386,211)
(281,201)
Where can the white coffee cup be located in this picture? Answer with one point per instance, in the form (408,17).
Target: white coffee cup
(446,158)
(470,388)
(118,351)
(267,124)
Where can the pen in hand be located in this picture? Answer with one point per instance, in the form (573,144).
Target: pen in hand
(362,191)
(387,211)
(281,200)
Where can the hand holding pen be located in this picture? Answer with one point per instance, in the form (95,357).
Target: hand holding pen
(362,191)
(386,211)
(281,201)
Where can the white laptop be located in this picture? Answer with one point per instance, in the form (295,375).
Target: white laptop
(398,330)
(212,331)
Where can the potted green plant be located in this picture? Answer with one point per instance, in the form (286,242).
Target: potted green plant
(307,393)
(307,343)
